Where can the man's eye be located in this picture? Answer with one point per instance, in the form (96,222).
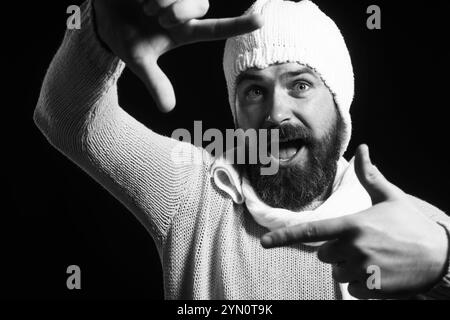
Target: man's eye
(301,86)
(254,93)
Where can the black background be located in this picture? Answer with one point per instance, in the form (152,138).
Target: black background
(53,215)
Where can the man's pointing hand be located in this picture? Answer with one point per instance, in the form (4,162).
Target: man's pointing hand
(140,31)
(410,250)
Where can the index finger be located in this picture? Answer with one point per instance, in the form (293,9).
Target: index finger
(316,231)
(217,29)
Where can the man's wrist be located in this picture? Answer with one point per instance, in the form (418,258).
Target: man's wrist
(441,290)
(96,66)
(446,226)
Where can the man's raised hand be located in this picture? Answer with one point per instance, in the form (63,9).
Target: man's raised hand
(410,250)
(140,31)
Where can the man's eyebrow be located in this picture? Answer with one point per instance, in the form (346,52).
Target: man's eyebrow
(248,77)
(256,77)
(298,72)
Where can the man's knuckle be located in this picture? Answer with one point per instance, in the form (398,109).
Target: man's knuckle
(372,176)
(354,225)
(174,15)
(360,249)
(310,231)
(289,235)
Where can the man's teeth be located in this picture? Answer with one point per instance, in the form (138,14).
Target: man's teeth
(288,150)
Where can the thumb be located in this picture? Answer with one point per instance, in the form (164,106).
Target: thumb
(378,187)
(157,83)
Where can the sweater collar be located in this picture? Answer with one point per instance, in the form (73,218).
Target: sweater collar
(348,196)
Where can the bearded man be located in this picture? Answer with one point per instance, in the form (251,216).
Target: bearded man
(287,67)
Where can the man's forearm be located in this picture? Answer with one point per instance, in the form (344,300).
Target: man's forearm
(80,75)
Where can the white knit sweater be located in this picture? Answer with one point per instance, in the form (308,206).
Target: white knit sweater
(209,247)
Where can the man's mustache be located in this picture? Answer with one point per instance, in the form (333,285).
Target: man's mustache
(289,132)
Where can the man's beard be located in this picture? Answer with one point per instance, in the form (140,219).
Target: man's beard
(297,186)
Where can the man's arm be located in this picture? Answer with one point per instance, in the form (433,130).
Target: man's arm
(78,112)
(78,108)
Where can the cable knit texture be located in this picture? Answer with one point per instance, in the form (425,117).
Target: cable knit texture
(209,247)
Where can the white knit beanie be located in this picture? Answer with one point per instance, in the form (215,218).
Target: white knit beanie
(294,32)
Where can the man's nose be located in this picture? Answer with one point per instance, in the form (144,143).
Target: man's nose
(280,109)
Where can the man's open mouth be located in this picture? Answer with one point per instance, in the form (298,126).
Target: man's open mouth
(289,148)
